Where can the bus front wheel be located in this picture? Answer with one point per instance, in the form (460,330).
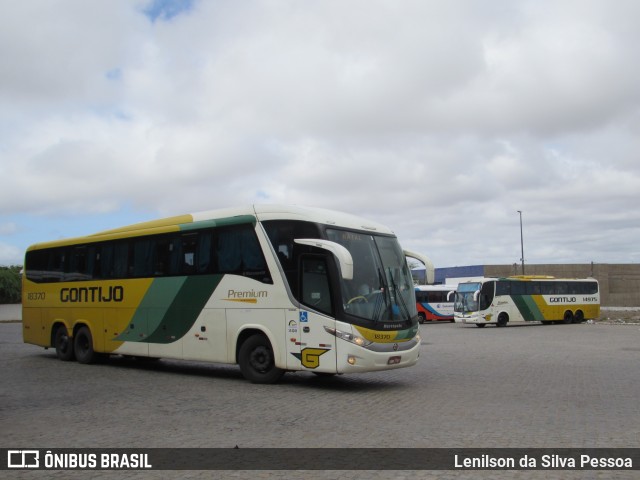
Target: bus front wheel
(63,344)
(257,362)
(503,319)
(421,317)
(83,346)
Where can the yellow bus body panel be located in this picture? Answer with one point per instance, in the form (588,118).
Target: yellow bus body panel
(47,304)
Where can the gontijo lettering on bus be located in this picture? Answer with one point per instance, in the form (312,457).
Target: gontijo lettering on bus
(92,294)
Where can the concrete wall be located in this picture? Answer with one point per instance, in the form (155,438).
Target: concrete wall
(619,282)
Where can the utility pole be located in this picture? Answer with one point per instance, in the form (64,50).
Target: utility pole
(521,242)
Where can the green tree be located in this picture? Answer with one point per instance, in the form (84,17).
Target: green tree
(10,284)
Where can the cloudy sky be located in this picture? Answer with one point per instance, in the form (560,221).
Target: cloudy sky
(440,119)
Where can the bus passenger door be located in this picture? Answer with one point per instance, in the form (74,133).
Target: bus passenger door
(317,346)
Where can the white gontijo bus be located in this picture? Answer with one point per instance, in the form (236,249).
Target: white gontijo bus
(530,298)
(272,288)
(435,302)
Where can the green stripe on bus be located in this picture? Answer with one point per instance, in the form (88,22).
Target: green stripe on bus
(169,308)
(185,308)
(407,334)
(527,307)
(220,222)
(152,308)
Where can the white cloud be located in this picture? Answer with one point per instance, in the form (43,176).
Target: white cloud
(440,119)
(10,255)
(8,228)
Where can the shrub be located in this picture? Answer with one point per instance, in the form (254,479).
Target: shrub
(10,284)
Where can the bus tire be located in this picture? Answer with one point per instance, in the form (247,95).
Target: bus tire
(83,346)
(503,319)
(421,317)
(481,325)
(568,317)
(63,344)
(257,362)
(578,317)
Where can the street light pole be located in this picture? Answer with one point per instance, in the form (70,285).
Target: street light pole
(521,242)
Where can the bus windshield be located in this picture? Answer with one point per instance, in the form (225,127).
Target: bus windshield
(382,287)
(466,297)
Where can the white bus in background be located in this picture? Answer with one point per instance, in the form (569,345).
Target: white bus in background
(435,302)
(271,288)
(532,298)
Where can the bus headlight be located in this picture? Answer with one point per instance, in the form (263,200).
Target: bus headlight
(349,337)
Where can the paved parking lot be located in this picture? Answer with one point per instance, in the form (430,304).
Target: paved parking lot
(522,386)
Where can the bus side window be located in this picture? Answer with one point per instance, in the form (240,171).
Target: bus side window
(237,251)
(203,252)
(121,255)
(533,288)
(55,269)
(37,265)
(503,288)
(175,255)
(161,256)
(486,295)
(547,288)
(143,257)
(81,263)
(518,288)
(188,258)
(315,284)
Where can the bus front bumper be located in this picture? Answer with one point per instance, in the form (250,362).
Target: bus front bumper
(473,319)
(353,359)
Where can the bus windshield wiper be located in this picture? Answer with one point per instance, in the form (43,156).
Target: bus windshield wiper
(398,295)
(382,300)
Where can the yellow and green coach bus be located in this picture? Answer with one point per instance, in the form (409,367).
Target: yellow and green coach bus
(271,288)
(532,298)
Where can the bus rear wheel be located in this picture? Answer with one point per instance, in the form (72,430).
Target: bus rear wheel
(568,317)
(63,344)
(421,317)
(257,362)
(83,346)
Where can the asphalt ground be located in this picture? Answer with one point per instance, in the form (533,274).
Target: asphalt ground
(529,386)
